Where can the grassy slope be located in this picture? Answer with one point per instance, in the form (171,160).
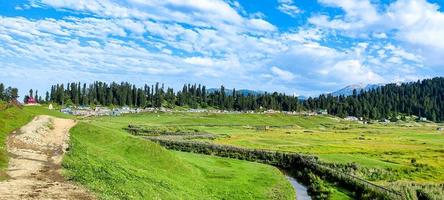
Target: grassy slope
(373,146)
(14,118)
(119,166)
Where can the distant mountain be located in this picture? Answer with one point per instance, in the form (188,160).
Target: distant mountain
(244,92)
(347,91)
(302,98)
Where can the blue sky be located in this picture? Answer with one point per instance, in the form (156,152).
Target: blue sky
(294,46)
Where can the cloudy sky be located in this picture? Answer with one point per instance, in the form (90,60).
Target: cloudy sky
(302,47)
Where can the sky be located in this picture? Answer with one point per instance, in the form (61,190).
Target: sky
(300,47)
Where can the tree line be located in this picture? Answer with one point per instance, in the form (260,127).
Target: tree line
(36,97)
(192,95)
(422,98)
(8,93)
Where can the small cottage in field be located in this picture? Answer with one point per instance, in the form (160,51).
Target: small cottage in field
(31,101)
(322,112)
(116,112)
(351,118)
(422,119)
(384,121)
(67,111)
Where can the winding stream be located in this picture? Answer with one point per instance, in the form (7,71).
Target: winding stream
(301,191)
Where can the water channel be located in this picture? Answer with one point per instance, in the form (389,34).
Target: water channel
(301,190)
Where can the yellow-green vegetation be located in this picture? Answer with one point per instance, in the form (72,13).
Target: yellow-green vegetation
(12,118)
(117,165)
(385,153)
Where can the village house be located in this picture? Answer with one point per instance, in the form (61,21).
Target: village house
(67,111)
(384,121)
(31,101)
(102,111)
(116,112)
(351,118)
(322,112)
(423,119)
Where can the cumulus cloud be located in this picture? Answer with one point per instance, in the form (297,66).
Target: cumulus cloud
(288,7)
(282,74)
(417,21)
(353,70)
(260,24)
(181,39)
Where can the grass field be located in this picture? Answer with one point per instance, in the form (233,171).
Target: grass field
(117,165)
(400,152)
(14,118)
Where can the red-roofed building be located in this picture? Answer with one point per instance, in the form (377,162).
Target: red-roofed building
(31,100)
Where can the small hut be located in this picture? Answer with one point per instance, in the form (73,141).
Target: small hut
(31,101)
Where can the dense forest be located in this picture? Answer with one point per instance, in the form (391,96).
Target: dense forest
(192,95)
(422,98)
(8,93)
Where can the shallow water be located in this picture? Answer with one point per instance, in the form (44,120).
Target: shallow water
(301,191)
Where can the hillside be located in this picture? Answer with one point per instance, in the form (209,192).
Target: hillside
(116,165)
(348,90)
(422,98)
(244,92)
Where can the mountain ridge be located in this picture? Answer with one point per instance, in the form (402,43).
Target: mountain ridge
(348,90)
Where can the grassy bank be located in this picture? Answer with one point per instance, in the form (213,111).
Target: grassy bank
(390,155)
(13,118)
(118,166)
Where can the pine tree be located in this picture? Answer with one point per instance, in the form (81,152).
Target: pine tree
(2,91)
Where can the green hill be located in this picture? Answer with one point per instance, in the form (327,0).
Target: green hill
(116,165)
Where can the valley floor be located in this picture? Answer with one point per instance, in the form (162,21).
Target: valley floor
(398,155)
(115,165)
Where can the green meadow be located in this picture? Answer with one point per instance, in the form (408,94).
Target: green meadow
(115,165)
(386,154)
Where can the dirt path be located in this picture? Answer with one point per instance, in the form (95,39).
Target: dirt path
(36,152)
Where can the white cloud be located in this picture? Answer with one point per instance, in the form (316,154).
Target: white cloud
(133,26)
(187,39)
(380,35)
(282,74)
(288,7)
(353,71)
(416,24)
(356,10)
(207,13)
(304,35)
(208,62)
(260,24)
(417,21)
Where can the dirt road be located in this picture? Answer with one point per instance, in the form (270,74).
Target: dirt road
(36,152)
